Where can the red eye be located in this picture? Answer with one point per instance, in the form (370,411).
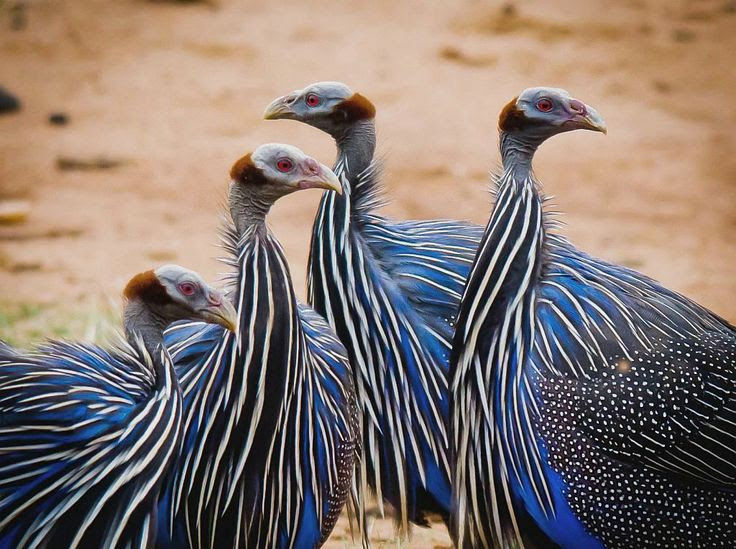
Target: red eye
(187,288)
(313,100)
(284,165)
(545,105)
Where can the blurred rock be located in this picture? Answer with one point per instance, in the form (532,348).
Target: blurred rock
(452,53)
(43,234)
(58,119)
(683,35)
(13,212)
(8,102)
(508,10)
(66,163)
(18,15)
(24,267)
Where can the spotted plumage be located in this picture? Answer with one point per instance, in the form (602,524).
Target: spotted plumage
(591,406)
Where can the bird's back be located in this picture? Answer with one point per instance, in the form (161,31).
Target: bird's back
(636,391)
(429,261)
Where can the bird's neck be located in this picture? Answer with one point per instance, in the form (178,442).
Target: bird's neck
(248,207)
(140,320)
(356,145)
(270,371)
(517,152)
(494,336)
(500,288)
(495,330)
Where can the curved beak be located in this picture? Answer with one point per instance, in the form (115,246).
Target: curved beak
(280,108)
(319,176)
(589,119)
(223,314)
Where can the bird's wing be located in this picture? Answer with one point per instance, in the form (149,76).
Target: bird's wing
(61,410)
(61,381)
(428,260)
(190,344)
(672,409)
(335,400)
(651,374)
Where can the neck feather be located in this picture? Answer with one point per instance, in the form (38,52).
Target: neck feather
(356,144)
(517,152)
(140,320)
(248,207)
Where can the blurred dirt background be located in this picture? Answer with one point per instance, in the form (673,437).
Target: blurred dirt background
(159,98)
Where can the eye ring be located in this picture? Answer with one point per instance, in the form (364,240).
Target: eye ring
(187,288)
(312,100)
(284,165)
(544,104)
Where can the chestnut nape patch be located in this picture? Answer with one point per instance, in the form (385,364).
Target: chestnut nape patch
(147,287)
(244,171)
(511,118)
(355,108)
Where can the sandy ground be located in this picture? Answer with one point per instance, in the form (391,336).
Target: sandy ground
(175,93)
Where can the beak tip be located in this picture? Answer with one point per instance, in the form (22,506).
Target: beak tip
(231,320)
(223,315)
(274,111)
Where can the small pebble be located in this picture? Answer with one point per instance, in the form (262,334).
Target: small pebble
(8,102)
(58,119)
(13,212)
(18,15)
(683,35)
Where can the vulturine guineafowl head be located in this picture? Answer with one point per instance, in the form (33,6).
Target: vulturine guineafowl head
(329,106)
(539,113)
(273,170)
(157,298)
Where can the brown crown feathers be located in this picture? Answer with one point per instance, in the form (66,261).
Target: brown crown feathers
(511,118)
(355,108)
(244,171)
(147,287)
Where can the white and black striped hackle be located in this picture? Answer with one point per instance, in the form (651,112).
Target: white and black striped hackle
(270,420)
(390,290)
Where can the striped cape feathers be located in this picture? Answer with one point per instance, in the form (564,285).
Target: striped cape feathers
(270,422)
(391,290)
